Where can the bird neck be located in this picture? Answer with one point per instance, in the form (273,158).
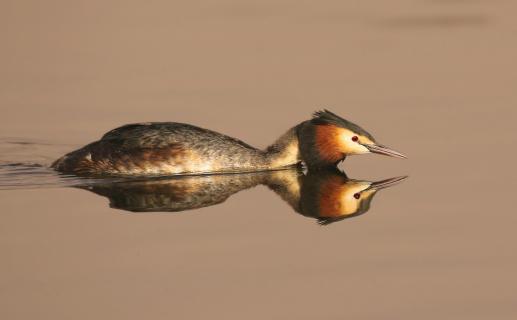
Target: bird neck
(284,151)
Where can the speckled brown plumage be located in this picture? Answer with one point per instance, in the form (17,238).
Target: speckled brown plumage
(172,148)
(169,148)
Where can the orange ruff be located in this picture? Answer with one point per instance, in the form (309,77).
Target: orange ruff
(327,143)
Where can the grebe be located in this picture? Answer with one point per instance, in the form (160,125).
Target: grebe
(169,148)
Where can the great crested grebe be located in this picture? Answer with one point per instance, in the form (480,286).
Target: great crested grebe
(169,148)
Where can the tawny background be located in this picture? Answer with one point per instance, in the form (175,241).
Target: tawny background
(433,79)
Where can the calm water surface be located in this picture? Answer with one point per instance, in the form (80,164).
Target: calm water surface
(327,195)
(434,79)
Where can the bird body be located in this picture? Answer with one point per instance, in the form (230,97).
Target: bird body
(170,148)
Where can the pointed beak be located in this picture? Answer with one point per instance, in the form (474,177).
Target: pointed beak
(378,185)
(380,149)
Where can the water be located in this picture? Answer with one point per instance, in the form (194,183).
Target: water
(327,195)
(25,164)
(434,80)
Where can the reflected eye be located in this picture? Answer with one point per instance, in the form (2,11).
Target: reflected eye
(355,138)
(357,195)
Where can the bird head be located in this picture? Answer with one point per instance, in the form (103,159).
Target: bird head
(327,139)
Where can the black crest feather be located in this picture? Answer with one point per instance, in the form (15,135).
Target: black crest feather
(326,117)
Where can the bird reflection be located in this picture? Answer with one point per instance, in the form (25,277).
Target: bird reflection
(326,195)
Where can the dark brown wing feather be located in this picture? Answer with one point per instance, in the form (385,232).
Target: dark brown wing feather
(160,148)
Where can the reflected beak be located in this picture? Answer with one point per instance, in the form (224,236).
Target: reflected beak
(380,149)
(378,185)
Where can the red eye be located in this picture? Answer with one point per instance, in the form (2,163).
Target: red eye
(357,195)
(355,138)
